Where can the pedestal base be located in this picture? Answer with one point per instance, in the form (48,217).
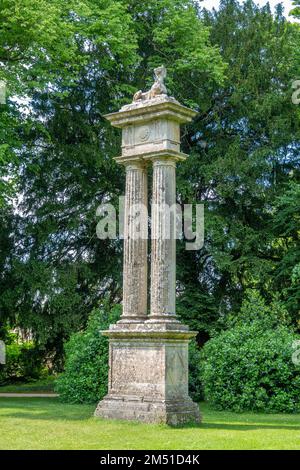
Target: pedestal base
(138,409)
(148,375)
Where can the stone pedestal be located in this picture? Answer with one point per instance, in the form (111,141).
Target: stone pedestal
(148,353)
(148,377)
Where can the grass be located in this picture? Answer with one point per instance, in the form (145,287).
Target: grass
(45,423)
(45,385)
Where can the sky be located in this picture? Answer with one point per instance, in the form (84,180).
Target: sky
(288,4)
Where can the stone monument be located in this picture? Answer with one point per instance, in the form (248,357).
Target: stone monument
(148,353)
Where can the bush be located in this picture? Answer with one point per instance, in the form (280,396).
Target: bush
(24,362)
(31,362)
(254,308)
(249,367)
(86,367)
(10,370)
(195,384)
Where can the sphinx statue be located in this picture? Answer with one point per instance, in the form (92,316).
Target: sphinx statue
(158,88)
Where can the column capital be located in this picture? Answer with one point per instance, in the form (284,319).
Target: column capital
(132,165)
(158,155)
(164,162)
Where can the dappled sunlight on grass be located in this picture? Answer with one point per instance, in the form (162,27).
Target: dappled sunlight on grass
(42,423)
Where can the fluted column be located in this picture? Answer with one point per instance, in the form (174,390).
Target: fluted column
(135,243)
(163,241)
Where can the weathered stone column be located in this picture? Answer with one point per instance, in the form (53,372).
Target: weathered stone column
(148,356)
(135,243)
(163,241)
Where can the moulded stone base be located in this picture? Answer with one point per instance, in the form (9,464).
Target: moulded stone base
(148,374)
(137,409)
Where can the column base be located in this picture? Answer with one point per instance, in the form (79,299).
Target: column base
(165,323)
(132,319)
(148,374)
(173,412)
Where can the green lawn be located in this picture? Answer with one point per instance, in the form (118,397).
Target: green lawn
(45,385)
(43,423)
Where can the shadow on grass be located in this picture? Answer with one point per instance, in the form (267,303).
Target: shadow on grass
(75,416)
(249,427)
(236,427)
(33,409)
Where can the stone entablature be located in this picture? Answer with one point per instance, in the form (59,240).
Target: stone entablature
(151,126)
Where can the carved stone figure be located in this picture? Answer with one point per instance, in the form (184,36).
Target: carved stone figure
(158,87)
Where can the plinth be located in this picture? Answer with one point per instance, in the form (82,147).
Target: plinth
(148,352)
(148,376)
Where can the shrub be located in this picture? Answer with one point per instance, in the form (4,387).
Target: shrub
(249,367)
(24,362)
(254,308)
(31,362)
(86,367)
(10,370)
(195,384)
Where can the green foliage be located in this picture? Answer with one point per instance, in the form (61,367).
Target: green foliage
(244,148)
(9,145)
(195,384)
(244,368)
(249,366)
(286,229)
(31,362)
(42,42)
(24,362)
(254,308)
(69,63)
(52,293)
(182,42)
(86,368)
(296,10)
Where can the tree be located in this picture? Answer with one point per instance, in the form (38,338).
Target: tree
(235,66)
(56,65)
(244,147)
(286,245)
(36,39)
(59,267)
(296,11)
